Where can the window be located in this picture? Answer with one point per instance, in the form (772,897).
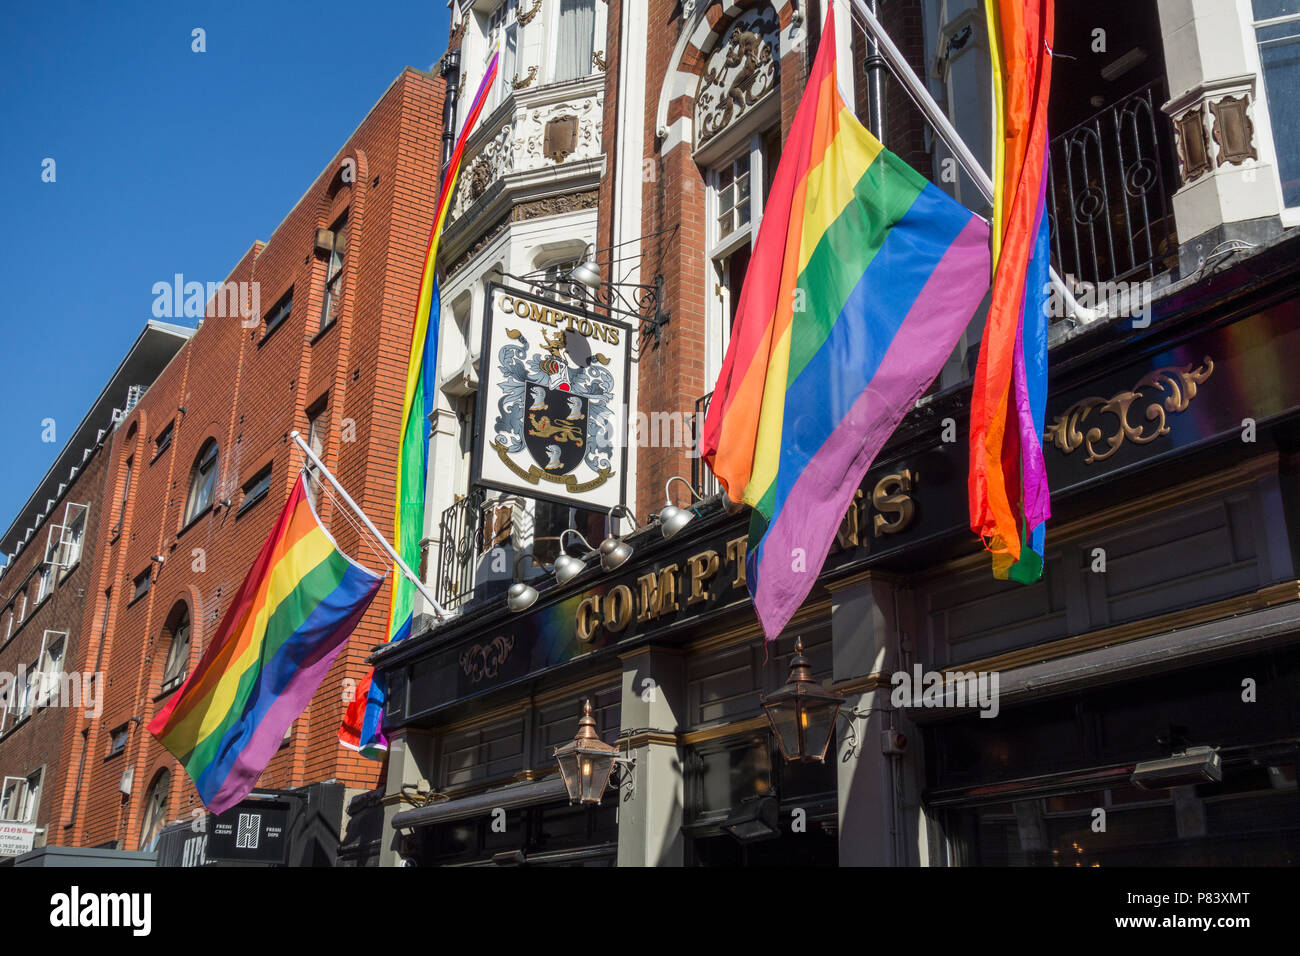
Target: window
(316,425)
(9,622)
(117,740)
(140,586)
(279,312)
(503,30)
(44,582)
(51,667)
(1277,33)
(574,51)
(126,494)
(26,700)
(31,797)
(74,530)
(559,288)
(334,273)
(255,490)
(178,654)
(155,811)
(164,440)
(22,607)
(738,187)
(11,797)
(203,482)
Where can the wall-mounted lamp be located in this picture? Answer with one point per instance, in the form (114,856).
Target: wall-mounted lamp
(673,519)
(614,551)
(567,567)
(586,762)
(802,713)
(521,595)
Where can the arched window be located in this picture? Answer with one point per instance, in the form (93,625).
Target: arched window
(178,653)
(155,811)
(203,482)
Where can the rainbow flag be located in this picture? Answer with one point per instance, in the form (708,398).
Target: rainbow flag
(862,279)
(291,617)
(362,727)
(1009,495)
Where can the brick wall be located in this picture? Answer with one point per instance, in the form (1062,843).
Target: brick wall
(247,390)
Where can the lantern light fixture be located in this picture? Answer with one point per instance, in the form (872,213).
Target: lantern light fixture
(586,762)
(802,713)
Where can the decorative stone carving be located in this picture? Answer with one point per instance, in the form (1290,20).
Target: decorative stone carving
(598,58)
(493,160)
(742,70)
(1191,145)
(1233,131)
(527,81)
(584,116)
(560,138)
(527,18)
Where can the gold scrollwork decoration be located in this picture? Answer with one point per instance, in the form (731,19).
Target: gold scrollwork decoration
(485,660)
(1177,386)
(527,18)
(571,484)
(598,58)
(527,81)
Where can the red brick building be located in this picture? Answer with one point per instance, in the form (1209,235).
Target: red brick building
(195,475)
(49,573)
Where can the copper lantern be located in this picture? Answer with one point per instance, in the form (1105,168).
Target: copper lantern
(802,713)
(586,762)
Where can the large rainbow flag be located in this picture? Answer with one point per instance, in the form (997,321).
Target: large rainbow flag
(362,727)
(862,279)
(291,617)
(1009,496)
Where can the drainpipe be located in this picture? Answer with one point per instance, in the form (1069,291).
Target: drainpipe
(875,67)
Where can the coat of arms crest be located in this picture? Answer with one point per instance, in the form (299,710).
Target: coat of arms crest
(555,408)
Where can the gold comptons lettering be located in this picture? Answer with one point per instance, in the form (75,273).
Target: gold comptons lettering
(588,618)
(544,315)
(890,498)
(703,567)
(736,551)
(618,607)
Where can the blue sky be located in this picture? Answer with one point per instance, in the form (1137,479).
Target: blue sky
(166,161)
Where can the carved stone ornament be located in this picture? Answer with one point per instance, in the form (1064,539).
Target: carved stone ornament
(598,58)
(740,72)
(1233,131)
(560,138)
(485,660)
(527,18)
(527,81)
(1193,147)
(1177,385)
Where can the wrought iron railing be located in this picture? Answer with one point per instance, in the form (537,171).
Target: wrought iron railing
(702,479)
(1110,212)
(464,536)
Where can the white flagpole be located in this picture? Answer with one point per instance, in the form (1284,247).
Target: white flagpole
(947,132)
(397,558)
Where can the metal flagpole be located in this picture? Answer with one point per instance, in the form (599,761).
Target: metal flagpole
(410,575)
(920,95)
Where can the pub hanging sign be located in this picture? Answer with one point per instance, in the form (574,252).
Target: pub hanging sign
(552,402)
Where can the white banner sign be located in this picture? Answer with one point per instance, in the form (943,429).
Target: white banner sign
(16,838)
(552,401)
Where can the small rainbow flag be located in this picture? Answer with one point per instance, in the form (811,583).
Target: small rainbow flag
(362,727)
(1009,495)
(862,279)
(289,620)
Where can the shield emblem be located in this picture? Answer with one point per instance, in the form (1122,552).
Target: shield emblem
(555,428)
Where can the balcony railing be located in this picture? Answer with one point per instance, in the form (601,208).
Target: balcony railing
(703,480)
(1110,212)
(468,531)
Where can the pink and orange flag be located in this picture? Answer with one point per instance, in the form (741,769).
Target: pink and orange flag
(1009,498)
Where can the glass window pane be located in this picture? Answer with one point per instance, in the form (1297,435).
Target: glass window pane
(1279,55)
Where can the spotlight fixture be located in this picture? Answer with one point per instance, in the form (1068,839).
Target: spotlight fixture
(567,567)
(614,551)
(521,595)
(587,273)
(673,519)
